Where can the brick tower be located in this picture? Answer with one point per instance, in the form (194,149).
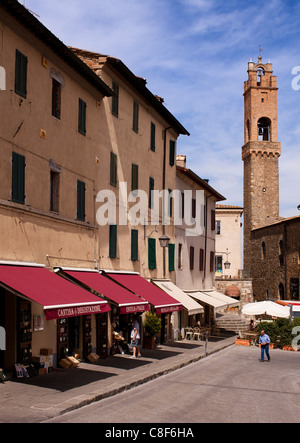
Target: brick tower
(260,152)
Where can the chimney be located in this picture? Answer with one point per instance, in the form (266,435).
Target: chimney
(181,160)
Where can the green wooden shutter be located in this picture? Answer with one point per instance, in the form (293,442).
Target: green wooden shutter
(21,74)
(151,188)
(113,169)
(82,117)
(113,241)
(134,244)
(151,253)
(18,178)
(80,200)
(152,139)
(171,257)
(134,177)
(172,153)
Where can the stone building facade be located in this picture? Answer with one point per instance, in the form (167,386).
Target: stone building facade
(271,243)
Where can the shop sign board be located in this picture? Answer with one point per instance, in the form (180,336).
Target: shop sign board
(76,311)
(133,309)
(168,309)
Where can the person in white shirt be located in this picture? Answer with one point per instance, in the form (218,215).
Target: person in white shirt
(135,336)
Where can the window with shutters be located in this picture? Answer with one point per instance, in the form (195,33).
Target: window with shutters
(179,255)
(213,219)
(82,117)
(201,260)
(152,137)
(56,98)
(151,253)
(191,258)
(18,178)
(80,200)
(135,123)
(54,191)
(113,169)
(113,241)
(170,203)
(172,153)
(171,247)
(134,177)
(115,100)
(21,74)
(151,189)
(212,261)
(134,244)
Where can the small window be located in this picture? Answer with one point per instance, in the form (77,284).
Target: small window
(135,123)
(113,169)
(134,177)
(56,98)
(213,219)
(170,203)
(80,200)
(263,250)
(171,247)
(82,117)
(219,263)
(113,241)
(115,100)
(201,260)
(21,74)
(152,137)
(212,259)
(218,227)
(151,189)
(54,191)
(134,244)
(191,258)
(18,178)
(172,153)
(264,129)
(193,208)
(151,253)
(179,255)
(281,252)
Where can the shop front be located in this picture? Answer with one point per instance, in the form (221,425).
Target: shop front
(42,311)
(162,303)
(123,303)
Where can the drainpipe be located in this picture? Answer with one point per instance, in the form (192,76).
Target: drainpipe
(205,248)
(164,185)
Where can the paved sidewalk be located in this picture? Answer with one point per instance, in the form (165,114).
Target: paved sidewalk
(46,396)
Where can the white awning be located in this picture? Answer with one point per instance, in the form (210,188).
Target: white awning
(188,302)
(222,297)
(266,307)
(208,300)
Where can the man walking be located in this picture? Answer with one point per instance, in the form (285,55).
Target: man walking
(264,341)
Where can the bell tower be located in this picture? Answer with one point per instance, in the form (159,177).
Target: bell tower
(260,151)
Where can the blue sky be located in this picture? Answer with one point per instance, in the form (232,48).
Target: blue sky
(195,54)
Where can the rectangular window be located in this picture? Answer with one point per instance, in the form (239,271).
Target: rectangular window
(135,123)
(172,153)
(80,200)
(219,264)
(191,258)
(82,117)
(54,191)
(193,208)
(151,188)
(170,203)
(218,227)
(115,100)
(179,255)
(113,169)
(113,241)
(213,219)
(18,178)
(21,74)
(212,259)
(56,98)
(134,244)
(134,177)
(201,260)
(152,139)
(171,247)
(151,253)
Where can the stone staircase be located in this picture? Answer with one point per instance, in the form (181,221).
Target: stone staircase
(230,323)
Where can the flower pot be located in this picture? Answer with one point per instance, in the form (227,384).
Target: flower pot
(289,348)
(149,342)
(243,342)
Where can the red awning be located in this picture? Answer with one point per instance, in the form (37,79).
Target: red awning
(126,300)
(59,297)
(162,302)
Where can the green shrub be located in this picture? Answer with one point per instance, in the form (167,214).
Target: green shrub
(152,324)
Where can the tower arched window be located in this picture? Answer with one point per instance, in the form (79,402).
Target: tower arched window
(248,130)
(263,250)
(260,72)
(264,129)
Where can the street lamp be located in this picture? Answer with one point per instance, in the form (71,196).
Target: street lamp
(227,263)
(164,240)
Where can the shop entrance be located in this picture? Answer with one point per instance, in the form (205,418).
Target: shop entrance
(102,339)
(67,337)
(2,322)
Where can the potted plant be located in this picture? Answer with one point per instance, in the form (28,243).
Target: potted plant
(152,326)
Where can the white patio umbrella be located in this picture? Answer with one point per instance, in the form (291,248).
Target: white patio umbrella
(266,307)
